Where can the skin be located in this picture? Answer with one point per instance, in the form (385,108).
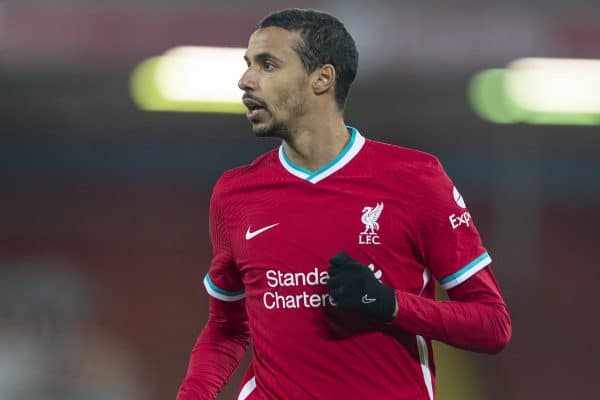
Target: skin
(298,107)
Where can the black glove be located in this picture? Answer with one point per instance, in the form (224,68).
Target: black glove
(355,288)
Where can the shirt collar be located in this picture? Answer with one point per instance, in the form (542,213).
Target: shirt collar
(349,151)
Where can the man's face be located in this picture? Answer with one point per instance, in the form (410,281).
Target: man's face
(275,85)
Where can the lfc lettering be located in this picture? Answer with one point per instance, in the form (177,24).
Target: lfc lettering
(365,238)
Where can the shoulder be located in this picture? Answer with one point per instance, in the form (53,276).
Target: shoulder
(413,171)
(236,178)
(395,158)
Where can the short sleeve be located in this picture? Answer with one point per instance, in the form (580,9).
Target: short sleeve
(223,280)
(448,240)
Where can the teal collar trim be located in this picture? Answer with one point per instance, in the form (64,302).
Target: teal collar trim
(354,145)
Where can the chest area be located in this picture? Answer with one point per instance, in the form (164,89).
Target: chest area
(351,220)
(296,229)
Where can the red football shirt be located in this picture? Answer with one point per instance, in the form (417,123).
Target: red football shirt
(274,226)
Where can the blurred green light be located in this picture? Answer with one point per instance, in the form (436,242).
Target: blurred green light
(538,118)
(488,97)
(142,86)
(555,85)
(149,92)
(493,102)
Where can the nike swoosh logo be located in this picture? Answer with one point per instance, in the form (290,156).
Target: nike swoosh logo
(250,234)
(367,300)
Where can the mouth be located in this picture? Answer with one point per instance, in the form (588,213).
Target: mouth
(255,108)
(254,112)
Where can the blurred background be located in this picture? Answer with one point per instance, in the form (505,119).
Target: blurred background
(103,207)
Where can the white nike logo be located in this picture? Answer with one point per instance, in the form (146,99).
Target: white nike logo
(250,234)
(367,300)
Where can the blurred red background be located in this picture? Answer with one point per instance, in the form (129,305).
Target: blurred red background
(103,208)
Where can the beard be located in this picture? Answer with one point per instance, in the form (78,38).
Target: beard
(289,104)
(272,129)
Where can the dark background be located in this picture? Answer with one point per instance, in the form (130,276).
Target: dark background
(103,207)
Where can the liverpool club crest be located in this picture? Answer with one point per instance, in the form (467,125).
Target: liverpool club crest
(370,215)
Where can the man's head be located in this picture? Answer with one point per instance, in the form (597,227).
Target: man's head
(297,59)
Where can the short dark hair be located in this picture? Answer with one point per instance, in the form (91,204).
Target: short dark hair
(325,41)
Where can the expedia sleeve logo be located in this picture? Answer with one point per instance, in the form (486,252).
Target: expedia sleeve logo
(458,198)
(460,219)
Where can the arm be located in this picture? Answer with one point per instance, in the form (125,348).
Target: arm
(224,339)
(474,319)
(218,351)
(449,244)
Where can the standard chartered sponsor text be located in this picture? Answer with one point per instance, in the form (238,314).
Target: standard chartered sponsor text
(273,300)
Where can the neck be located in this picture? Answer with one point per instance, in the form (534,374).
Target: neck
(313,146)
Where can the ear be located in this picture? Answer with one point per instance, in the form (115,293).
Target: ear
(323,79)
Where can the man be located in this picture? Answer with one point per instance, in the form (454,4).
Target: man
(326,249)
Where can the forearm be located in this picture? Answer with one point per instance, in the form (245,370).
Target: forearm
(475,318)
(218,351)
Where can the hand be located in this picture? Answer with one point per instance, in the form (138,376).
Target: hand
(355,288)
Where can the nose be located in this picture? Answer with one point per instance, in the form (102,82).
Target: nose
(248,81)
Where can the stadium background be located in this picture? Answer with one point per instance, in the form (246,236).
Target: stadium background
(103,207)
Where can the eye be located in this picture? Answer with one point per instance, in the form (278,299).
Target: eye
(268,66)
